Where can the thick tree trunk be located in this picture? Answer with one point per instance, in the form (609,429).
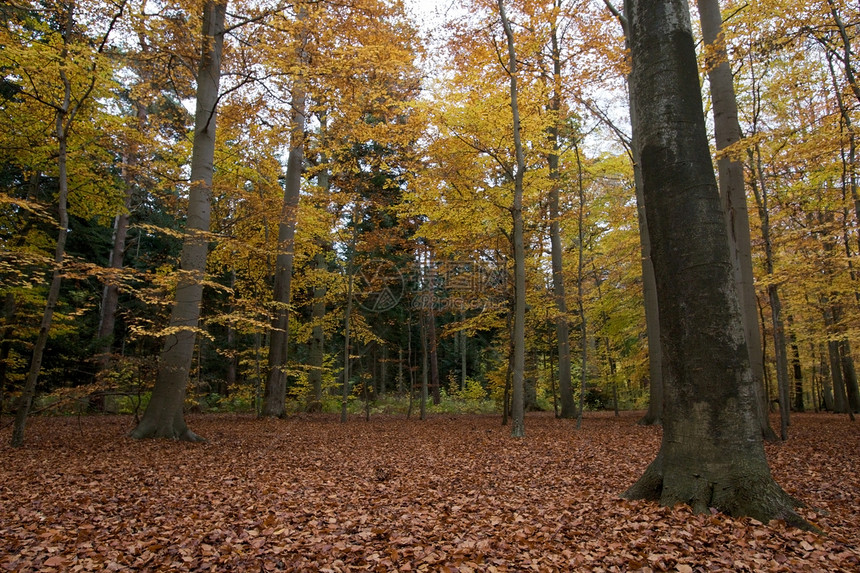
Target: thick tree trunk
(840,397)
(562,322)
(519,331)
(712,453)
(727,132)
(275,394)
(849,375)
(164,417)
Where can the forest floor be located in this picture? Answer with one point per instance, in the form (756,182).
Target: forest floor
(451,493)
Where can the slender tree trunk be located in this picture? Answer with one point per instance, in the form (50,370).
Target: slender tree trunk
(110,294)
(9,308)
(432,353)
(61,123)
(317,350)
(580,293)
(164,415)
(797,370)
(712,452)
(826,384)
(519,331)
(425,360)
(727,132)
(562,322)
(649,285)
(274,400)
(760,193)
(347,319)
(26,399)
(464,355)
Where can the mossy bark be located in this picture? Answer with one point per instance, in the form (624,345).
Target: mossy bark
(712,453)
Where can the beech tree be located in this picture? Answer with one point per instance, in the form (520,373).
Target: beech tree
(164,415)
(60,71)
(727,132)
(712,453)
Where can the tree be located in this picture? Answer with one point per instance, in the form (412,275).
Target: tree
(712,453)
(562,322)
(518,334)
(276,383)
(164,416)
(66,96)
(727,132)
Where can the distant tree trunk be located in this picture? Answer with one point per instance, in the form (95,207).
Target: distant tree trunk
(63,114)
(562,321)
(110,294)
(712,453)
(580,294)
(826,384)
(274,400)
(164,417)
(9,307)
(230,376)
(432,353)
(347,319)
(519,331)
(464,355)
(400,371)
(649,285)
(317,350)
(840,396)
(425,360)
(797,370)
(727,132)
(318,309)
(760,193)
(849,375)
(347,350)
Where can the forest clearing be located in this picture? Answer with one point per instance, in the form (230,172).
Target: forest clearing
(449,493)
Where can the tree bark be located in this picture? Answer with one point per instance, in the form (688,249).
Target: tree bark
(727,132)
(433,353)
(275,394)
(562,322)
(849,375)
(712,452)
(649,285)
(580,293)
(519,331)
(164,417)
(317,350)
(63,116)
(760,193)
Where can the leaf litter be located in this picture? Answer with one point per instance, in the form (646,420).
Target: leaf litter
(450,494)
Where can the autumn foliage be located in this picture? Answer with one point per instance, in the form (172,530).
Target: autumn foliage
(446,494)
